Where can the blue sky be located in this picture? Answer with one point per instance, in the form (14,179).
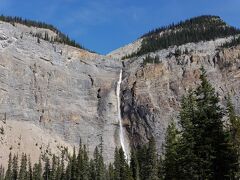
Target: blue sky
(104,25)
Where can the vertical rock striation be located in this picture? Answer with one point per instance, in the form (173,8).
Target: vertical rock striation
(52,94)
(151,93)
(60,89)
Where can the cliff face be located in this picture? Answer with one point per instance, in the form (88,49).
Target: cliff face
(51,94)
(151,93)
(59,94)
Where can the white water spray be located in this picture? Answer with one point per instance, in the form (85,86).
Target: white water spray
(122,131)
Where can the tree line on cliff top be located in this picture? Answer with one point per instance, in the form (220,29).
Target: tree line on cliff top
(201,28)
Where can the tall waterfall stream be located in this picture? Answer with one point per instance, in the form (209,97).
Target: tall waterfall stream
(122,133)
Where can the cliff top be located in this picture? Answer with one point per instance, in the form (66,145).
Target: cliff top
(58,35)
(197,29)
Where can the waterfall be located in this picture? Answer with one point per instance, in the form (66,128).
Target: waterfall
(122,133)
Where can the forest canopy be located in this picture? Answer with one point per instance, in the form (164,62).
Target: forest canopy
(202,28)
(61,37)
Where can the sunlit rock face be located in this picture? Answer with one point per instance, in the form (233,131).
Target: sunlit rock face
(151,93)
(52,94)
(64,91)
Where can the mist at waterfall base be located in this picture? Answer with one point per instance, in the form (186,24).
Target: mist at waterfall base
(122,133)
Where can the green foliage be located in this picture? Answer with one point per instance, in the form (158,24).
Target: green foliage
(100,171)
(203,150)
(160,167)
(234,42)
(117,164)
(9,172)
(61,37)
(186,142)
(202,28)
(121,168)
(142,159)
(2,130)
(145,163)
(15,168)
(23,173)
(30,171)
(2,175)
(170,167)
(73,165)
(46,174)
(55,163)
(151,167)
(150,60)
(134,165)
(234,125)
(110,173)
(212,143)
(37,171)
(234,134)
(83,163)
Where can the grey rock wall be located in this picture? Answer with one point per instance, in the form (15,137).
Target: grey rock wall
(51,95)
(151,94)
(61,89)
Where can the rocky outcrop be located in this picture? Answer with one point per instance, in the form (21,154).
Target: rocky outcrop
(126,50)
(151,93)
(51,94)
(60,89)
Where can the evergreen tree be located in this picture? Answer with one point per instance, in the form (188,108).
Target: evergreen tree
(53,172)
(121,170)
(134,165)
(15,167)
(110,172)
(151,167)
(212,149)
(23,174)
(160,168)
(171,156)
(37,170)
(99,164)
(61,167)
(234,42)
(85,164)
(82,163)
(234,126)
(58,169)
(46,37)
(73,165)
(142,160)
(187,160)
(124,168)
(2,175)
(68,170)
(202,28)
(46,173)
(234,135)
(202,149)
(61,37)
(116,165)
(9,173)
(30,171)
(92,170)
